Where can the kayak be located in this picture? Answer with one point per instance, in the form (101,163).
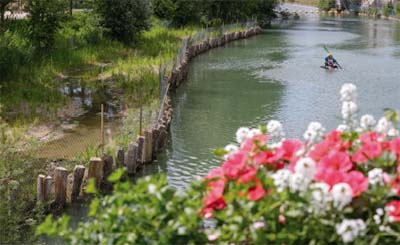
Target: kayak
(329,67)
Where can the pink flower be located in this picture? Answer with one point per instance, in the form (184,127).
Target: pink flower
(368,151)
(337,161)
(251,144)
(256,192)
(357,181)
(281,219)
(235,164)
(215,199)
(289,148)
(215,173)
(393,208)
(248,175)
(329,176)
(395,146)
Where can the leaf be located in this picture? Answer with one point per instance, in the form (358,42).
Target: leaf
(116,175)
(94,205)
(91,187)
(220,152)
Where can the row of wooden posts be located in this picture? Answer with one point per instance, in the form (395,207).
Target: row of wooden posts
(64,186)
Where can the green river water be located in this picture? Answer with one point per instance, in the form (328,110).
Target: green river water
(277,75)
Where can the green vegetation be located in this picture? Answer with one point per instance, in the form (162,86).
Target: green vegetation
(326,4)
(397,8)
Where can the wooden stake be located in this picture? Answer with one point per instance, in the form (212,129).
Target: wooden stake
(102,129)
(60,179)
(141,118)
(96,170)
(79,172)
(41,188)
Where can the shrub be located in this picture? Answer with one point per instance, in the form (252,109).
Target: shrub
(46,16)
(397,9)
(125,19)
(163,9)
(82,29)
(15,51)
(338,187)
(326,4)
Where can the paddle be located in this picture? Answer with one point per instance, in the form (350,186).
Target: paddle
(327,50)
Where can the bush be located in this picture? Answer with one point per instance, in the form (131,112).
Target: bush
(15,51)
(125,19)
(46,16)
(82,29)
(163,9)
(397,9)
(326,5)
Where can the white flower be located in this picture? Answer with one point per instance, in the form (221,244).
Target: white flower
(275,128)
(214,236)
(241,134)
(383,126)
(367,122)
(230,149)
(152,188)
(306,167)
(343,128)
(342,195)
(253,132)
(348,92)
(349,109)
(393,132)
(258,225)
(314,132)
(377,219)
(350,229)
(380,211)
(281,179)
(320,197)
(298,183)
(375,176)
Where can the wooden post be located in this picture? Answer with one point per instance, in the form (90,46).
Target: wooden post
(60,179)
(162,138)
(155,139)
(148,146)
(96,170)
(102,129)
(120,157)
(131,158)
(140,119)
(41,188)
(140,149)
(79,172)
(49,188)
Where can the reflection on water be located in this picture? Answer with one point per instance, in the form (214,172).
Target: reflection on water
(277,75)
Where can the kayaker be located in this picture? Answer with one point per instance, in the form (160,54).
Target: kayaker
(330,61)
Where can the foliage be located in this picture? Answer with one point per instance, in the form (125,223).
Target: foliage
(326,4)
(82,29)
(397,9)
(15,49)
(125,19)
(149,212)
(17,171)
(387,9)
(163,9)
(45,18)
(332,188)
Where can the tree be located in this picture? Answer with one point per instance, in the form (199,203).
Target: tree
(46,16)
(164,9)
(3,8)
(124,19)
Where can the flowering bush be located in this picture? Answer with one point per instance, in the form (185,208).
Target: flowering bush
(340,186)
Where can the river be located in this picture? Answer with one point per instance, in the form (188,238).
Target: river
(277,75)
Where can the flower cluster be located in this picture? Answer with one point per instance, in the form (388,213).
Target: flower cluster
(326,176)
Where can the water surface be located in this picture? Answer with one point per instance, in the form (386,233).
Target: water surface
(277,75)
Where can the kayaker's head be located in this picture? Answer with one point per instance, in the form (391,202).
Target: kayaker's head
(330,55)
